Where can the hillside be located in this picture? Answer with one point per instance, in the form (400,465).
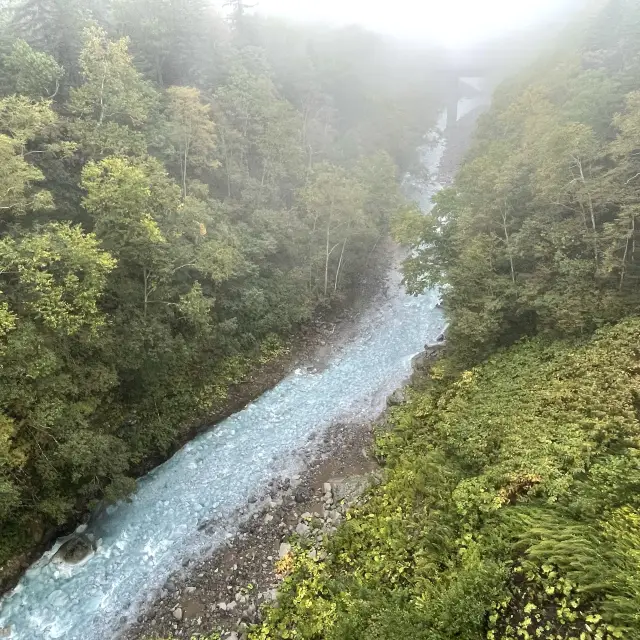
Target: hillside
(179,195)
(510,507)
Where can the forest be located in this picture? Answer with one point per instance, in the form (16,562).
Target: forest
(510,503)
(539,233)
(180,190)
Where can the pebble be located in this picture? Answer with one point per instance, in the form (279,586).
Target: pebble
(177,614)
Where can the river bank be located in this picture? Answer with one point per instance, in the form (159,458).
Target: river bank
(312,342)
(179,526)
(224,593)
(142,541)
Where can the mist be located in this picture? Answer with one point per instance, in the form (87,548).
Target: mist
(454,24)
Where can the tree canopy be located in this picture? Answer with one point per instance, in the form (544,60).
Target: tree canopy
(538,233)
(177,191)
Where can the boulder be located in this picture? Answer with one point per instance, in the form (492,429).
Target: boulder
(433,351)
(419,362)
(76,549)
(395,399)
(350,488)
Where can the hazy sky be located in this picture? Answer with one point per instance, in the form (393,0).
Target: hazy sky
(454,23)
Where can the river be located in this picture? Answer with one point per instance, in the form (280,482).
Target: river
(143,540)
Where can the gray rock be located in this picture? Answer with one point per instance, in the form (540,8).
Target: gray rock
(222,606)
(75,550)
(285,549)
(350,488)
(190,590)
(433,351)
(177,614)
(250,613)
(302,529)
(419,362)
(396,398)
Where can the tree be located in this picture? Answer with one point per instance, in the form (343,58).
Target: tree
(51,282)
(191,132)
(41,274)
(53,27)
(129,202)
(33,74)
(333,204)
(114,101)
(21,121)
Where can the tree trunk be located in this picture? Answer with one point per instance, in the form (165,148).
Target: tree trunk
(326,261)
(184,161)
(146,275)
(591,209)
(631,238)
(508,243)
(344,244)
(226,162)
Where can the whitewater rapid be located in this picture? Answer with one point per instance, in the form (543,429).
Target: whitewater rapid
(143,540)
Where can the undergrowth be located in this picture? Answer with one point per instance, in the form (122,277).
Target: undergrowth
(510,510)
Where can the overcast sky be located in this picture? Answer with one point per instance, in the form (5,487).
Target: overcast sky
(454,23)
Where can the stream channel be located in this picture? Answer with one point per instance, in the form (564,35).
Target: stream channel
(142,540)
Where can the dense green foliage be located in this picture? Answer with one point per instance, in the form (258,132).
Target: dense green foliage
(511,504)
(539,231)
(510,509)
(177,195)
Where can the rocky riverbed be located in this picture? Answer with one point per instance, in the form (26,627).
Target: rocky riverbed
(225,592)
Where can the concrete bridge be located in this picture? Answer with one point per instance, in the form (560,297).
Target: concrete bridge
(466,86)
